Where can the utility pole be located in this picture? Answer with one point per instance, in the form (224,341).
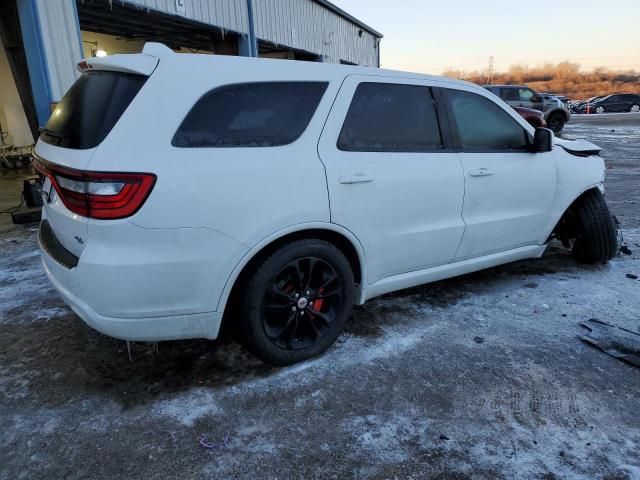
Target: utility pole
(490,72)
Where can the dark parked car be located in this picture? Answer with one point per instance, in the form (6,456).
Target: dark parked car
(534,117)
(576,105)
(620,102)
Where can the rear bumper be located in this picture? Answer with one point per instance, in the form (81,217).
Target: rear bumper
(173,327)
(135,283)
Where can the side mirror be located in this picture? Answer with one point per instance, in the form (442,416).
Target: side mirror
(536,98)
(543,140)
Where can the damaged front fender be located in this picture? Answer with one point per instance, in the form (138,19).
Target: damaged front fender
(581,148)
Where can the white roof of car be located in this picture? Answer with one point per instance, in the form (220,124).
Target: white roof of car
(145,62)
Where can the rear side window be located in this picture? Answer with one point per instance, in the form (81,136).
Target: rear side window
(265,114)
(388,117)
(483,125)
(91,108)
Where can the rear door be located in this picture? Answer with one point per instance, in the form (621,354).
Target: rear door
(392,179)
(615,103)
(509,191)
(78,124)
(525,97)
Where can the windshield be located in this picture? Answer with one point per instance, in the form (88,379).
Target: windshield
(91,108)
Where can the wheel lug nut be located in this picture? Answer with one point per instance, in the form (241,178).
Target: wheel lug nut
(293,309)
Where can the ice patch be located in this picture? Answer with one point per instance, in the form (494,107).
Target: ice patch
(188,408)
(52,312)
(382,439)
(350,351)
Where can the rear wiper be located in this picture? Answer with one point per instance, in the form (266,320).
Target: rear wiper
(51,133)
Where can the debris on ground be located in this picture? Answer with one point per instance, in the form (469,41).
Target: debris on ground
(632,276)
(625,250)
(613,340)
(202,440)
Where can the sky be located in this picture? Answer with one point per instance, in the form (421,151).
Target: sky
(430,36)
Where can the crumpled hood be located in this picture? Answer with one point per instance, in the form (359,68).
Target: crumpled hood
(581,147)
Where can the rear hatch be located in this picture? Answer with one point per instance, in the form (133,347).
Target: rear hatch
(79,123)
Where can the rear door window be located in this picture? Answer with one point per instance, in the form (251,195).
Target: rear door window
(389,117)
(265,114)
(483,126)
(91,108)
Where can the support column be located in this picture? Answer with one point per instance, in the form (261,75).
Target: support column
(36,62)
(244,46)
(52,43)
(253,41)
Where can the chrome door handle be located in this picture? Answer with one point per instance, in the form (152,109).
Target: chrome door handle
(355,178)
(480,172)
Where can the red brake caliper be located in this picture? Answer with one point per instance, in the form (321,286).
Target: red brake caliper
(317,304)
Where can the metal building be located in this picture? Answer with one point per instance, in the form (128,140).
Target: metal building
(44,39)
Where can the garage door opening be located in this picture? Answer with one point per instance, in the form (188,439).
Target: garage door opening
(271,50)
(109,28)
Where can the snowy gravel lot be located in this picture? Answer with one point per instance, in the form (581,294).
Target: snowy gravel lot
(477,377)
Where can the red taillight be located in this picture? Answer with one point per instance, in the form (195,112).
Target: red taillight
(103,195)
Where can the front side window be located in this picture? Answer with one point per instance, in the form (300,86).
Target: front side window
(266,114)
(525,94)
(389,117)
(483,125)
(509,94)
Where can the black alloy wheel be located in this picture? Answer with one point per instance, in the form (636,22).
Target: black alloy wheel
(296,301)
(301,303)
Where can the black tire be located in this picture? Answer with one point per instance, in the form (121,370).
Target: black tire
(635,108)
(556,122)
(272,323)
(597,240)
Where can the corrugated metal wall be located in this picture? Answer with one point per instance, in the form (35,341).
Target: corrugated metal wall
(307,25)
(61,43)
(226,14)
(297,24)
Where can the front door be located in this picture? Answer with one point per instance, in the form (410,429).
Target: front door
(509,190)
(392,181)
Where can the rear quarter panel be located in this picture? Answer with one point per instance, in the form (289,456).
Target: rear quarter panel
(244,193)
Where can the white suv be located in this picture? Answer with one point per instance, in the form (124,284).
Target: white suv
(181,189)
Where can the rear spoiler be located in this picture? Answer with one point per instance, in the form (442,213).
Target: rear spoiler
(140,63)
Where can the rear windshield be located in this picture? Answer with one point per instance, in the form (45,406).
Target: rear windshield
(265,114)
(91,108)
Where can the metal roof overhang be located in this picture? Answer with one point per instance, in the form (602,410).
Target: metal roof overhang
(338,11)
